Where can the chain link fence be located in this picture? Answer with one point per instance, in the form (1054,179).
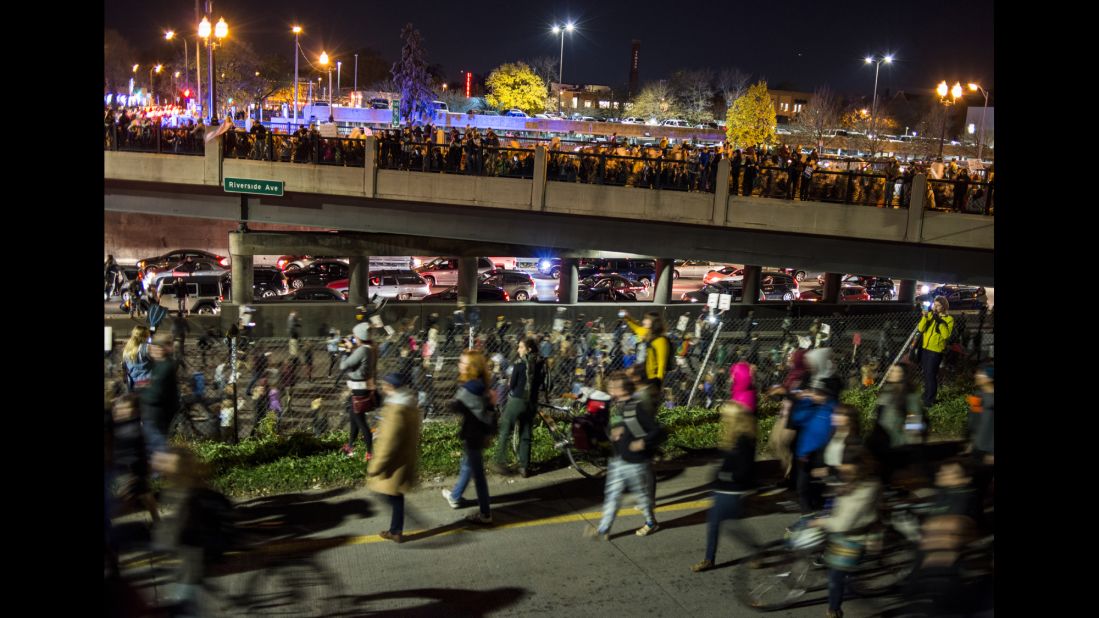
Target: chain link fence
(301,382)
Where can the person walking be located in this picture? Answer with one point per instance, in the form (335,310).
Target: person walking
(473,402)
(811,417)
(129,458)
(181,295)
(741,389)
(392,472)
(110,267)
(898,406)
(936,326)
(180,328)
(136,363)
(160,399)
(524,387)
(362,365)
(734,481)
(657,347)
(293,331)
(635,434)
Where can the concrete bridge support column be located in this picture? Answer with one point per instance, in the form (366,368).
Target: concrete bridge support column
(906,291)
(538,191)
(567,291)
(916,206)
(751,285)
(211,173)
(370,167)
(721,192)
(358,289)
(242,274)
(662,287)
(831,292)
(467,280)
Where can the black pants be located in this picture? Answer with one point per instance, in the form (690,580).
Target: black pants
(396,520)
(930,362)
(810,497)
(359,423)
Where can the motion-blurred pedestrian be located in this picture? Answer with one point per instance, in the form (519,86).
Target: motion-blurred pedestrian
(392,471)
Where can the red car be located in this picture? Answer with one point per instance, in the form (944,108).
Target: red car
(721,275)
(848,293)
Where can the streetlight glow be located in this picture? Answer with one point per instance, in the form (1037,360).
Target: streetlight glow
(169,35)
(296,30)
(956,91)
(177,74)
(888,59)
(569,27)
(942,89)
(158,67)
(973,87)
(556,29)
(222,29)
(204,28)
(324,58)
(868,60)
(135,68)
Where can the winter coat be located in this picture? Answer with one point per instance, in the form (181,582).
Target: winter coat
(392,471)
(813,422)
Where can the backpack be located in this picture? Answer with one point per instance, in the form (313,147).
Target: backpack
(493,426)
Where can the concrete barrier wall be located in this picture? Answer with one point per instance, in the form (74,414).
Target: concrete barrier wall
(629,202)
(455,189)
(958,230)
(846,220)
(302,177)
(154,167)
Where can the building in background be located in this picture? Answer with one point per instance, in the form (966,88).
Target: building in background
(788,104)
(586,99)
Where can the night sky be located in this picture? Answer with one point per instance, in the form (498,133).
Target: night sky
(802,44)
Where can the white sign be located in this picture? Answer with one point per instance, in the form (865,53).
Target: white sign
(682,325)
(726,301)
(711,300)
(108,338)
(328,129)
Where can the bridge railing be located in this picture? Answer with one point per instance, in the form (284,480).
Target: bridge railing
(501,162)
(846,187)
(976,198)
(625,171)
(279,147)
(153,139)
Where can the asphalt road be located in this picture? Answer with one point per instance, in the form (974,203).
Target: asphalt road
(533,561)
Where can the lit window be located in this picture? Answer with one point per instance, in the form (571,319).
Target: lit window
(587,103)
(604,105)
(574,102)
(797,108)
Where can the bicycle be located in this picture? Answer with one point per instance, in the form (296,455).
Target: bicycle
(784,571)
(578,433)
(194,420)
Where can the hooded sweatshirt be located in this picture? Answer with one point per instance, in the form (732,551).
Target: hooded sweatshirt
(470,403)
(814,420)
(740,375)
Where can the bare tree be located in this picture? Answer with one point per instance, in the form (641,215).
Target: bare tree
(821,116)
(118,59)
(933,128)
(546,67)
(695,93)
(732,83)
(656,100)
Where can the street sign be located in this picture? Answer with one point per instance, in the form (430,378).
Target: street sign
(254,187)
(711,300)
(395,107)
(726,301)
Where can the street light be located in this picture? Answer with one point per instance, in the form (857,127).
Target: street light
(324,63)
(561,67)
(955,94)
(221,30)
(888,59)
(297,32)
(152,85)
(981,134)
(171,35)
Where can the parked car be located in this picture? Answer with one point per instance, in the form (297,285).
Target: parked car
(290,263)
(552,267)
(516,113)
(879,288)
(485,294)
(319,273)
(733,287)
(848,293)
(379,103)
(607,288)
(796,273)
(189,267)
(643,271)
(695,268)
(204,294)
(778,286)
(179,255)
(444,270)
(633,120)
(313,293)
(267,282)
(395,284)
(676,122)
(959,296)
(519,286)
(722,274)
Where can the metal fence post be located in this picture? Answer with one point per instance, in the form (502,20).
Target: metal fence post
(850,186)
(234,373)
(157,136)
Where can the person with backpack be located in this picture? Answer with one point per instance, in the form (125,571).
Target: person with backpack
(362,365)
(658,350)
(811,416)
(474,403)
(523,389)
(936,328)
(634,433)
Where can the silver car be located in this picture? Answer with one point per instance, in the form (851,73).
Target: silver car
(519,285)
(695,269)
(444,271)
(395,284)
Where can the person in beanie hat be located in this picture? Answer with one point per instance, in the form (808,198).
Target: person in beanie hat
(392,470)
(362,365)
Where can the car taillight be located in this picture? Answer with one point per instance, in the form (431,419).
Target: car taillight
(281,263)
(221,298)
(506,298)
(224,261)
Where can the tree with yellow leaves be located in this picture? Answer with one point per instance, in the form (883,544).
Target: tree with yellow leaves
(515,85)
(751,118)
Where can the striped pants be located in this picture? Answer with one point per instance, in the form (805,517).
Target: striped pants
(619,474)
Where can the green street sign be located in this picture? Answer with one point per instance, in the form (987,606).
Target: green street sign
(254,187)
(395,107)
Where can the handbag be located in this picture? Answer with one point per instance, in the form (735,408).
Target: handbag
(361,404)
(843,553)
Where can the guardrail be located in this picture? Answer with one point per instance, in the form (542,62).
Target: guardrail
(153,139)
(961,196)
(283,148)
(847,187)
(502,162)
(625,171)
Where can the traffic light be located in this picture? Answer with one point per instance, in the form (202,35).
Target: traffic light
(187,93)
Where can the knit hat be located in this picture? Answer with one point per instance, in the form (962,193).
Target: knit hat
(395,379)
(361,331)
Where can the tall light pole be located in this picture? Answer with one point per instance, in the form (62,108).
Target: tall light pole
(221,30)
(355,87)
(339,67)
(152,85)
(955,94)
(297,32)
(888,59)
(984,110)
(561,67)
(170,35)
(324,63)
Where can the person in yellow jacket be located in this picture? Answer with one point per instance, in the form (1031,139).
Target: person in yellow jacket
(651,332)
(935,328)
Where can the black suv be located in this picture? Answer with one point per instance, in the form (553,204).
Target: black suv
(319,273)
(959,296)
(638,270)
(879,288)
(267,282)
(778,286)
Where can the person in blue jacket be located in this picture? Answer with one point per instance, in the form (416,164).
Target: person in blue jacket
(811,416)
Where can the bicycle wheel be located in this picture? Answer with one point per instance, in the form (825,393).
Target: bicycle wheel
(591,463)
(293,586)
(885,565)
(183,427)
(780,578)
